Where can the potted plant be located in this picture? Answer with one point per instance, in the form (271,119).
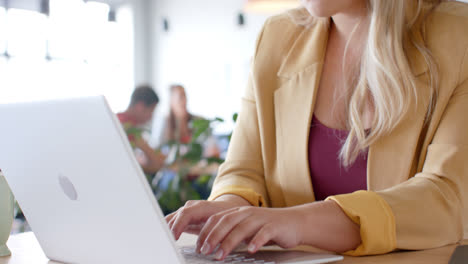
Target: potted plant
(192,172)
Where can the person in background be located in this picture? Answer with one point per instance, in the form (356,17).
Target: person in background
(178,125)
(139,112)
(353,134)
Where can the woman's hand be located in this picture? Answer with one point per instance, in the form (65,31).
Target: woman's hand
(227,222)
(260,226)
(192,217)
(319,224)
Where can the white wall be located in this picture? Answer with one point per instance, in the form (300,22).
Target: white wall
(144,46)
(205,50)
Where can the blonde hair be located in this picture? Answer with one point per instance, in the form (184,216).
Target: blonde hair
(385,77)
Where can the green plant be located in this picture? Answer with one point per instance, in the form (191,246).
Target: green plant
(185,184)
(132,132)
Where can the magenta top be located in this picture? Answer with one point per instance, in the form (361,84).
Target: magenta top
(328,176)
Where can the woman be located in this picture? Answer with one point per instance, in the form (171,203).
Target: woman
(177,124)
(394,76)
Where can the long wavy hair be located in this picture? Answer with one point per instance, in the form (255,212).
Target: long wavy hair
(385,78)
(173,130)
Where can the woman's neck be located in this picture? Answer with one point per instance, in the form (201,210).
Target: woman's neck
(348,33)
(345,22)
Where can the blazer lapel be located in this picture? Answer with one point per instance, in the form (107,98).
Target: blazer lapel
(294,103)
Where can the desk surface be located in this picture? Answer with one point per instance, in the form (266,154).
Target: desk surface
(25,250)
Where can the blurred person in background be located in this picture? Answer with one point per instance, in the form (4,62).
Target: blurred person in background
(140,111)
(188,142)
(178,125)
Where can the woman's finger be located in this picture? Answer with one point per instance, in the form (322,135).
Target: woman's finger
(209,225)
(171,222)
(189,214)
(171,218)
(244,230)
(263,236)
(194,229)
(224,226)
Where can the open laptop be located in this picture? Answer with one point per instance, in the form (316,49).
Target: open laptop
(73,172)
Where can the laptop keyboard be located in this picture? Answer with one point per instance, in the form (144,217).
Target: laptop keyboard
(192,257)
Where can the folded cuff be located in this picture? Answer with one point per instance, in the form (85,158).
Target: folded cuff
(375,219)
(248,194)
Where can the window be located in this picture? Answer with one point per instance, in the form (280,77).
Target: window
(3,38)
(88,54)
(26,33)
(20,79)
(66,31)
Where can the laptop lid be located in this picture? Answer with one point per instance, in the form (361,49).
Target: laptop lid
(73,172)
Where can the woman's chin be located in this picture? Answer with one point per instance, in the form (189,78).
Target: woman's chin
(328,8)
(318,12)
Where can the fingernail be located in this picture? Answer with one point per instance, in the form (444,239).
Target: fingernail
(205,249)
(219,254)
(251,248)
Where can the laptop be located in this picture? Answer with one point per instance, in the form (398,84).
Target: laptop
(74,174)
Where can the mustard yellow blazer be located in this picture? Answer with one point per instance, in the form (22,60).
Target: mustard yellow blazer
(417,176)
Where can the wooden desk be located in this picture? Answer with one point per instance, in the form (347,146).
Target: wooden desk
(26,250)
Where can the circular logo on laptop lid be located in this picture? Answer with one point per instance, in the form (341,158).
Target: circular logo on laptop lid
(67,187)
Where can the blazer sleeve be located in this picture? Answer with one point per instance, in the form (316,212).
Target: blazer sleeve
(427,210)
(242,173)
